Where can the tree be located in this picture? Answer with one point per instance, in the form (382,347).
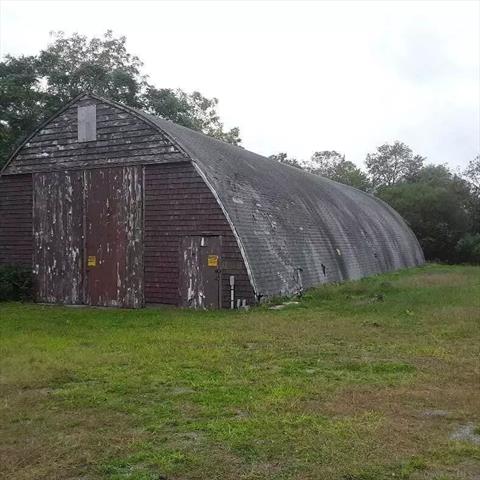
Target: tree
(472,173)
(33,88)
(325,163)
(468,249)
(21,101)
(439,175)
(435,207)
(283,158)
(190,110)
(332,165)
(329,164)
(393,163)
(71,65)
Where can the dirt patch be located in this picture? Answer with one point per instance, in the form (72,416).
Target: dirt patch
(420,401)
(39,443)
(434,279)
(466,433)
(416,420)
(181,390)
(435,413)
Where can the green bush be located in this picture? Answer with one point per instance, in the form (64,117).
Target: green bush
(15,283)
(468,249)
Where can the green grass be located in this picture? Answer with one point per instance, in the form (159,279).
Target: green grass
(368,380)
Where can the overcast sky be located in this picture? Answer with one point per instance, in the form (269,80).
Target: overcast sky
(298,77)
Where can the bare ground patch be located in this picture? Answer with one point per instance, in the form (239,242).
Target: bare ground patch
(434,279)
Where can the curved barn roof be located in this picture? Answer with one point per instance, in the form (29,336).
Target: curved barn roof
(294,229)
(297,229)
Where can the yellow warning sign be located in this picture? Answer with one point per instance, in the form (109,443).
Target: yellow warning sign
(92,261)
(213,260)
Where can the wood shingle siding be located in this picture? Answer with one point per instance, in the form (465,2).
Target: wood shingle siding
(16,220)
(122,139)
(178,203)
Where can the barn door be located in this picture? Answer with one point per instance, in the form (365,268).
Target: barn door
(113,228)
(200,274)
(58,232)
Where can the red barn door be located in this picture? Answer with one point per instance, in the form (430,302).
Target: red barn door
(88,237)
(113,257)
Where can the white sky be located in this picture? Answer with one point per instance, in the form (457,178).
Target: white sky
(298,77)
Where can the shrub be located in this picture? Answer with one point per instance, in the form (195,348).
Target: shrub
(468,249)
(15,283)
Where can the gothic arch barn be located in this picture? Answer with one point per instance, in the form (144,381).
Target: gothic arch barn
(112,206)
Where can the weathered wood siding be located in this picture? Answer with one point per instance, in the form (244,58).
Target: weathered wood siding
(122,139)
(16,238)
(133,208)
(200,281)
(179,203)
(114,236)
(58,237)
(93,213)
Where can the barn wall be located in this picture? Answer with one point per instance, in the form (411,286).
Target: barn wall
(16,220)
(179,203)
(122,139)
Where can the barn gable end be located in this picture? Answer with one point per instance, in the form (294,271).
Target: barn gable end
(122,139)
(95,163)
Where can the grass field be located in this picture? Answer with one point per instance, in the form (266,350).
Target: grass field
(376,379)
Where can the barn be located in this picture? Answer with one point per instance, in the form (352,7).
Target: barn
(111,206)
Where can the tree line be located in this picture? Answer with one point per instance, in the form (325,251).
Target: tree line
(442,207)
(33,88)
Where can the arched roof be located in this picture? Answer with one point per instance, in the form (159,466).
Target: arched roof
(295,228)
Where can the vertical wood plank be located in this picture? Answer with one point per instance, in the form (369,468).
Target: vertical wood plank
(114,239)
(134,271)
(57,233)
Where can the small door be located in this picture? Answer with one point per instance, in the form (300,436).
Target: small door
(113,214)
(200,271)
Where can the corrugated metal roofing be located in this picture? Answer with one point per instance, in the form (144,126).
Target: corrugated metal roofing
(297,229)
